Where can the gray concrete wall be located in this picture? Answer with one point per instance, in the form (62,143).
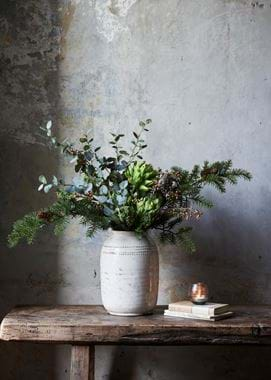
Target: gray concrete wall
(201,70)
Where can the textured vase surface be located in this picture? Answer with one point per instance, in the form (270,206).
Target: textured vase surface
(129,274)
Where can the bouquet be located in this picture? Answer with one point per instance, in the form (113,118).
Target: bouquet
(123,192)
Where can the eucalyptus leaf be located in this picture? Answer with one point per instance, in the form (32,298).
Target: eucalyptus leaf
(49,125)
(77,168)
(124,152)
(73,160)
(47,188)
(120,199)
(89,188)
(40,187)
(118,137)
(124,192)
(42,179)
(101,198)
(78,181)
(120,167)
(103,190)
(90,169)
(116,187)
(55,181)
(105,174)
(70,189)
(123,184)
(108,211)
(88,155)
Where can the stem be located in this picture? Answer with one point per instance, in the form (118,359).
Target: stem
(133,153)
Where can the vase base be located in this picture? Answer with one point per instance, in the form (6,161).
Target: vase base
(129,314)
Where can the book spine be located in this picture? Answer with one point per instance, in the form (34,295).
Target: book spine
(180,308)
(198,310)
(194,316)
(195,310)
(187,315)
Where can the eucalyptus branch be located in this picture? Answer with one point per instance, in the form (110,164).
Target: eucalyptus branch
(138,142)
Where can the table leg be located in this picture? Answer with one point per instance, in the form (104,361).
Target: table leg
(82,363)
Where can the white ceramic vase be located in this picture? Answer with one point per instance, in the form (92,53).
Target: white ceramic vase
(129,274)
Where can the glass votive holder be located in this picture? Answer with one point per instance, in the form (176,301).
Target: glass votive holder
(199,293)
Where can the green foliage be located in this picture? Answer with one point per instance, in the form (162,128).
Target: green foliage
(146,211)
(25,229)
(125,193)
(219,174)
(181,237)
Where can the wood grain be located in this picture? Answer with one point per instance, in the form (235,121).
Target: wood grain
(92,325)
(82,363)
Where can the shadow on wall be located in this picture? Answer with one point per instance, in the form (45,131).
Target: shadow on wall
(189,363)
(28,95)
(28,274)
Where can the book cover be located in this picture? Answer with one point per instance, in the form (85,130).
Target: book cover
(208,309)
(169,313)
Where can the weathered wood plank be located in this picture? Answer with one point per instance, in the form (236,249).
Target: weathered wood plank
(82,363)
(91,324)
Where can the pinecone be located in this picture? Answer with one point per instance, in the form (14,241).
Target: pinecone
(45,215)
(208,171)
(89,194)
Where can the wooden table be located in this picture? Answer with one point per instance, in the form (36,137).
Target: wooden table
(83,327)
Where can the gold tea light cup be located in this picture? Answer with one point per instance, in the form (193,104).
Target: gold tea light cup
(199,293)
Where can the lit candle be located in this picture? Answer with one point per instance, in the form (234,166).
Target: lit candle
(199,293)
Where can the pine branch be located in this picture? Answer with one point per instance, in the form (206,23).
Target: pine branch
(181,237)
(242,174)
(202,201)
(220,173)
(184,239)
(25,229)
(60,225)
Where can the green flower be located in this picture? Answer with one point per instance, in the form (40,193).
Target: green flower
(141,176)
(147,206)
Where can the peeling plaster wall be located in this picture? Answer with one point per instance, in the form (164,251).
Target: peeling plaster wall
(29,57)
(201,70)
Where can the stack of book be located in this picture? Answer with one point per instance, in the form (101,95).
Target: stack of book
(207,312)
